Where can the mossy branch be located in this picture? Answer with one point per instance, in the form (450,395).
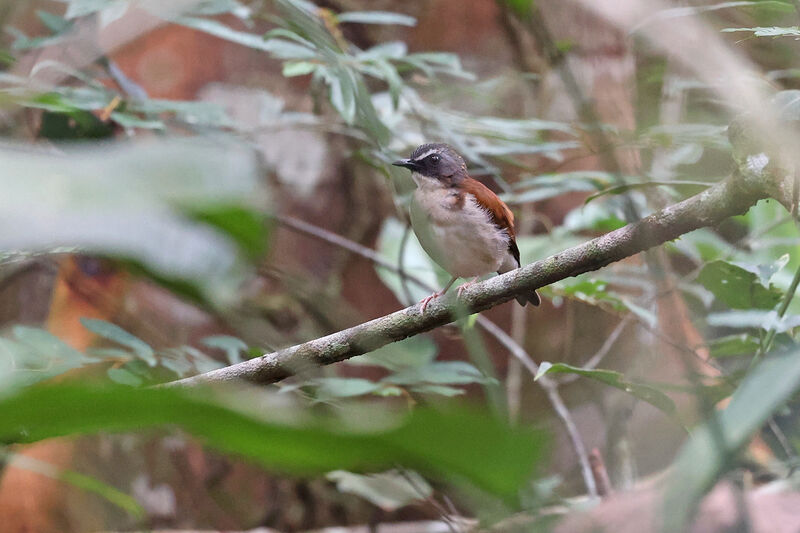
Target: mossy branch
(733,196)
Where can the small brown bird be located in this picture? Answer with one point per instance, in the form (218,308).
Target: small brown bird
(462,224)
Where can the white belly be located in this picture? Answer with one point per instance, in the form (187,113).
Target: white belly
(464,241)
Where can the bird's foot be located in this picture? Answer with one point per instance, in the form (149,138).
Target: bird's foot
(425,301)
(466,285)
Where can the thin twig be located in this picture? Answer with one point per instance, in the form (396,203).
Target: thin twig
(551,389)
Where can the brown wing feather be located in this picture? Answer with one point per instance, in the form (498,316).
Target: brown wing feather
(503,218)
(501,214)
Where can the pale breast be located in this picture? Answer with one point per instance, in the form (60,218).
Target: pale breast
(457,232)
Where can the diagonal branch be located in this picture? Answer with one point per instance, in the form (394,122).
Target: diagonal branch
(733,196)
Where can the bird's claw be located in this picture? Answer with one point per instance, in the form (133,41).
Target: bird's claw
(425,301)
(465,286)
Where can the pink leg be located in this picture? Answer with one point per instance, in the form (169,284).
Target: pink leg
(425,301)
(466,285)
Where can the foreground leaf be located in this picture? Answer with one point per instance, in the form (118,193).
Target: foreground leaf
(706,456)
(458,445)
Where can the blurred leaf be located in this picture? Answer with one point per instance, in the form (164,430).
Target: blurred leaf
(376,17)
(298,68)
(736,287)
(194,113)
(752,318)
(50,346)
(233,347)
(124,377)
(439,373)
(439,390)
(35,355)
(127,201)
(73,126)
(80,8)
(246,227)
(687,11)
(621,189)
(76,479)
(521,7)
(741,344)
(767,271)
(277,47)
(336,387)
(413,352)
(774,31)
(389,490)
(707,454)
(114,333)
(649,394)
(470,447)
(415,261)
(53,22)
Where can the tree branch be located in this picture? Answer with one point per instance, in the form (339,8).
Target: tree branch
(733,196)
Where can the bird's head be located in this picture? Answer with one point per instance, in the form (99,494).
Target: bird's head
(438,161)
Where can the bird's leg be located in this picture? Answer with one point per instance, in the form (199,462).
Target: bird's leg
(466,285)
(425,301)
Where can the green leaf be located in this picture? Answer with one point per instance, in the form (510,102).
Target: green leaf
(389,490)
(440,373)
(81,8)
(53,22)
(114,333)
(377,17)
(736,287)
(73,125)
(440,390)
(772,31)
(706,455)
(128,201)
(415,262)
(335,387)
(521,7)
(621,189)
(232,346)
(277,47)
(298,68)
(124,377)
(246,227)
(467,446)
(741,344)
(753,318)
(413,352)
(649,394)
(76,479)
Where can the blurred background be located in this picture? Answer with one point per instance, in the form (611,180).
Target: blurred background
(192,184)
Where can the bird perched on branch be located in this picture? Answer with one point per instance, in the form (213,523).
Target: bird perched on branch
(459,222)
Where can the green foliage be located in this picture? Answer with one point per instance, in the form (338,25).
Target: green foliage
(709,451)
(736,287)
(462,442)
(167,214)
(388,490)
(647,393)
(774,31)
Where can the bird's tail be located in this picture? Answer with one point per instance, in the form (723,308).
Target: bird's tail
(529,298)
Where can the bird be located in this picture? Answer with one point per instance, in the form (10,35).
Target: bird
(461,224)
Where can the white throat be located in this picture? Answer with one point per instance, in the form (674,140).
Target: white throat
(425,182)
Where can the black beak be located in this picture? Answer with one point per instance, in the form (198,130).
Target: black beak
(406,163)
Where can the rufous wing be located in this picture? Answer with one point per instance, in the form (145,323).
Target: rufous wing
(503,218)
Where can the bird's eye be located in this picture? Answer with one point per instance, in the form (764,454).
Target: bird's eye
(435,158)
